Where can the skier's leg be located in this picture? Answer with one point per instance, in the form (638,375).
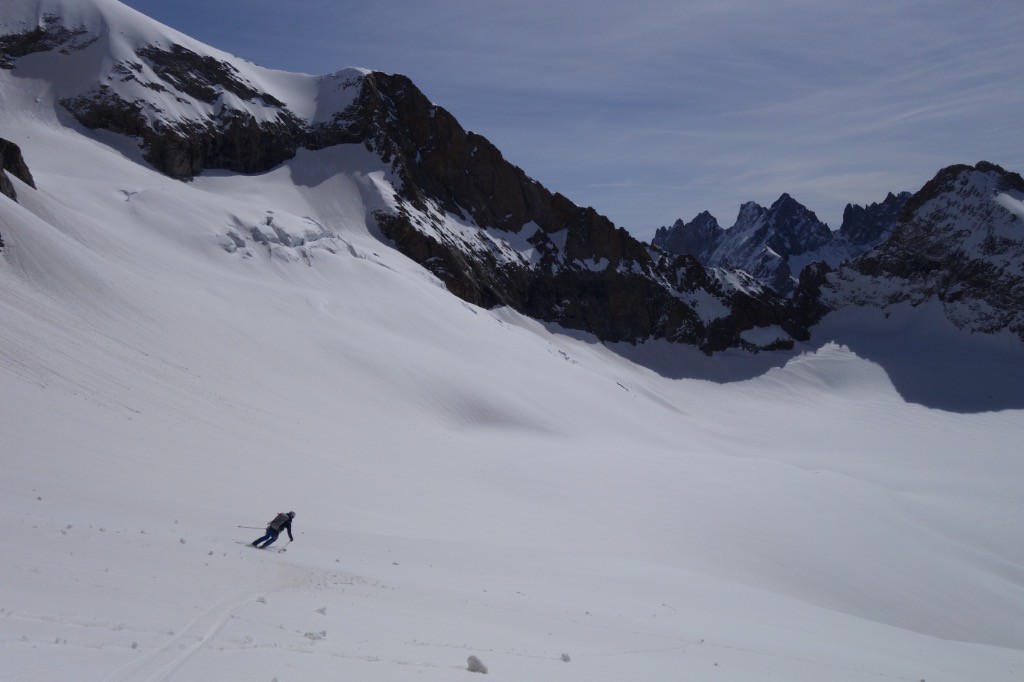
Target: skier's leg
(273,536)
(258,540)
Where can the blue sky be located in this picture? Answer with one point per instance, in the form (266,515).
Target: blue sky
(656,110)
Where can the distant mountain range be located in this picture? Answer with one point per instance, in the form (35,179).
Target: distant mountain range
(449,200)
(775,244)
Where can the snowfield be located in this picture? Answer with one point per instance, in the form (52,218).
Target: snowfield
(467,482)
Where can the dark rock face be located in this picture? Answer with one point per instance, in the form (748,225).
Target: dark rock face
(7,187)
(866,225)
(697,238)
(960,241)
(51,34)
(792,229)
(808,308)
(232,139)
(201,77)
(442,164)
(588,274)
(12,162)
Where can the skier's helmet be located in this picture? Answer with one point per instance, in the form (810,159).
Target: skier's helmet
(291,515)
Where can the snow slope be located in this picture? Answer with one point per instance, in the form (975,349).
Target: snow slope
(466,482)
(112,33)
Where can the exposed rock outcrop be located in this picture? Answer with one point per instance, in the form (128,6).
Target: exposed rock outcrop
(49,34)
(959,241)
(583,272)
(11,161)
(867,225)
(246,139)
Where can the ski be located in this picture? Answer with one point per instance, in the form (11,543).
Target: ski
(279,550)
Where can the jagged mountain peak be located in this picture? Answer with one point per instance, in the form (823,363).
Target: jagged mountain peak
(983,179)
(774,244)
(977,206)
(867,225)
(959,243)
(749,214)
(763,240)
(705,218)
(696,238)
(787,213)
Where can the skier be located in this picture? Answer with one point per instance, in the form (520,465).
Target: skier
(281,522)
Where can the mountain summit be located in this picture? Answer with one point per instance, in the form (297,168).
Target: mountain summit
(761,242)
(958,242)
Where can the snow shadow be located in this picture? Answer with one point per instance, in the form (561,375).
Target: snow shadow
(935,365)
(928,361)
(676,361)
(312,168)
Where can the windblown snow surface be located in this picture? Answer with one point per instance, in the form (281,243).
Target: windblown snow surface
(179,360)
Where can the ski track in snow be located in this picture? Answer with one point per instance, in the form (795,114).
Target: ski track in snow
(167,659)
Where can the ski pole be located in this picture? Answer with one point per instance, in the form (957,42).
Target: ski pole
(251,527)
(286,545)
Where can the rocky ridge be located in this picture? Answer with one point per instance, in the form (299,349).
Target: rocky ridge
(761,242)
(775,244)
(865,226)
(497,237)
(958,241)
(493,235)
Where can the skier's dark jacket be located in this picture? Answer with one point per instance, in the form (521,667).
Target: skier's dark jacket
(282,522)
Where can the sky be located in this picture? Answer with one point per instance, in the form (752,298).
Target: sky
(656,110)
